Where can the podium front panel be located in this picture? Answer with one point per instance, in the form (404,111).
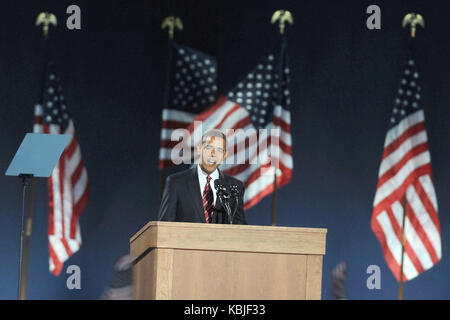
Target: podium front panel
(187,261)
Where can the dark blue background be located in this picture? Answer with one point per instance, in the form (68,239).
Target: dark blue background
(344,79)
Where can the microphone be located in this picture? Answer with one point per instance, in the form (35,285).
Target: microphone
(221,188)
(234,191)
(235,194)
(224,196)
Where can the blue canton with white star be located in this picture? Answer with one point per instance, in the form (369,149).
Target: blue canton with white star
(408,94)
(193,79)
(262,89)
(53,101)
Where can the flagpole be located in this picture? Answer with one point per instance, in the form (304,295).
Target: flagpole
(413,20)
(46,20)
(400,286)
(161,183)
(171,23)
(282,16)
(274,198)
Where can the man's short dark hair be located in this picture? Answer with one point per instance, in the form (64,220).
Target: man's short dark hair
(214,133)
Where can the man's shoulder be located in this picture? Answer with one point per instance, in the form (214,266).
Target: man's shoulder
(182,175)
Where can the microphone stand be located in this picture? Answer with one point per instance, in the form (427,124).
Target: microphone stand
(235,194)
(224,199)
(228,208)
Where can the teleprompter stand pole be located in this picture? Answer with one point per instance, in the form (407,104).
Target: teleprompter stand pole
(25,234)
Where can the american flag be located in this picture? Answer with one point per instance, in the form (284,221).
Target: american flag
(257,104)
(405,177)
(68,188)
(191,87)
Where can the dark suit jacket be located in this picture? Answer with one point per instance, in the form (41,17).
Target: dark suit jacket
(182,200)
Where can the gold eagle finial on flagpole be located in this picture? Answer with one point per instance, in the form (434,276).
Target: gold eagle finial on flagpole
(413,19)
(171,23)
(46,19)
(282,16)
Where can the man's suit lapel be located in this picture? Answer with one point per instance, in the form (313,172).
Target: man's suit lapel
(194,188)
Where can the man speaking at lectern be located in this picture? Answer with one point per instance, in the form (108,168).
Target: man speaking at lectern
(191,195)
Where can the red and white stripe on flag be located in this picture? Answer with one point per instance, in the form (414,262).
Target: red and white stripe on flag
(406,168)
(256,170)
(68,192)
(172,120)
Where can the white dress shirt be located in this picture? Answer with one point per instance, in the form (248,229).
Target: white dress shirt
(202,181)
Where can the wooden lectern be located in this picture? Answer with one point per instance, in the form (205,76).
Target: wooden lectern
(175,260)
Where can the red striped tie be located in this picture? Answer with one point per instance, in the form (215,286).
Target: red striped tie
(207,199)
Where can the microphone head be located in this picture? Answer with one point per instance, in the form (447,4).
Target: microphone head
(221,186)
(234,190)
(216,184)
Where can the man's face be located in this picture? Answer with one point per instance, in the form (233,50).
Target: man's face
(212,153)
